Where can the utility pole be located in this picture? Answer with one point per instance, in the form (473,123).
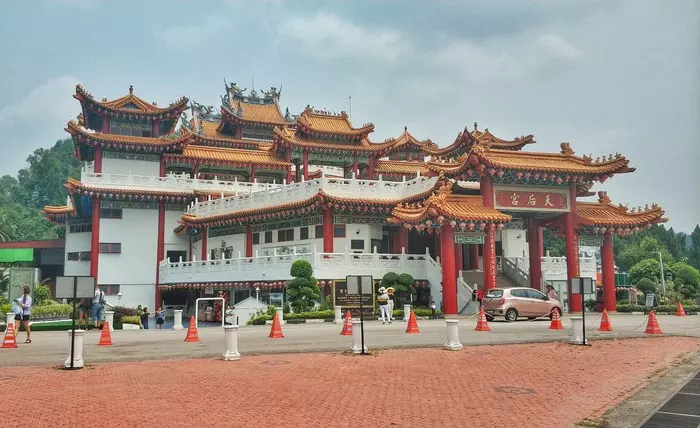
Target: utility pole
(663,278)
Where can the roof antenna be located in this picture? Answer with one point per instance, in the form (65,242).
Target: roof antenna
(350,108)
(253,82)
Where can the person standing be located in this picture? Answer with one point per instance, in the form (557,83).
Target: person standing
(84,308)
(160,318)
(97,303)
(433,306)
(390,293)
(383,301)
(550,292)
(144,318)
(25,304)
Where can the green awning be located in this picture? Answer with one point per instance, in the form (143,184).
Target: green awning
(11,255)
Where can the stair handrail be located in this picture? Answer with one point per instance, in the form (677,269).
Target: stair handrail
(463,287)
(513,272)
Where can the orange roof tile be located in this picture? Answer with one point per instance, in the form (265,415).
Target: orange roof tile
(268,113)
(406,139)
(228,155)
(390,167)
(450,206)
(132,104)
(75,186)
(327,123)
(605,213)
(80,133)
(211,132)
(286,135)
(491,140)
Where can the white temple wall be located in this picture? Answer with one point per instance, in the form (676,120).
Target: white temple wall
(237,242)
(514,243)
(129,166)
(77,242)
(171,241)
(134,269)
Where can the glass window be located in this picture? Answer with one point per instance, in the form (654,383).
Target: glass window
(318,232)
(303,233)
(110,248)
(534,294)
(110,289)
(357,244)
(268,237)
(285,235)
(256,238)
(339,231)
(518,292)
(494,294)
(110,212)
(81,227)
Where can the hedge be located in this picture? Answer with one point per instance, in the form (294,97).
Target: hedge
(131,319)
(329,314)
(661,309)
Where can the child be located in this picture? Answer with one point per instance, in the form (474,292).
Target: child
(160,318)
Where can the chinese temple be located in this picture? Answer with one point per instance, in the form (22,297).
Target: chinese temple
(181,201)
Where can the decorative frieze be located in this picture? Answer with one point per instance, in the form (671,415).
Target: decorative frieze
(131,156)
(129,205)
(288,224)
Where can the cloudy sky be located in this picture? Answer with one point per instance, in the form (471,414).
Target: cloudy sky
(606,76)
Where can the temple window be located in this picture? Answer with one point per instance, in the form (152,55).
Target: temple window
(76,256)
(80,227)
(318,231)
(130,128)
(110,248)
(110,212)
(339,231)
(256,238)
(268,237)
(110,289)
(303,233)
(285,235)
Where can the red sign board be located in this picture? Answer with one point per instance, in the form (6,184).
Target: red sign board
(524,199)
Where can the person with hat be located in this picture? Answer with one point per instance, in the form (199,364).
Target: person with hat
(390,293)
(383,301)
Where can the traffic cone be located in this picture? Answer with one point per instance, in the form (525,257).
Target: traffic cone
(412,326)
(680,312)
(652,324)
(556,321)
(482,324)
(347,325)
(106,336)
(605,322)
(276,330)
(10,340)
(192,335)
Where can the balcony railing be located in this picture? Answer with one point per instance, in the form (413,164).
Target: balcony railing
(295,192)
(277,266)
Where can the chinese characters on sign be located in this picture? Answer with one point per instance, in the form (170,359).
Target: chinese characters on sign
(532,199)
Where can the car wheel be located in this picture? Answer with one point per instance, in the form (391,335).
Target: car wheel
(511,315)
(557,310)
(489,318)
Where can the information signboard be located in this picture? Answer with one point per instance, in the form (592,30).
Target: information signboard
(582,285)
(651,300)
(84,287)
(348,296)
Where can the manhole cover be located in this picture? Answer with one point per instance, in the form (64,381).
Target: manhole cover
(276,362)
(515,390)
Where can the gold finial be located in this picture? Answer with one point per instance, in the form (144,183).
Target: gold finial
(131,89)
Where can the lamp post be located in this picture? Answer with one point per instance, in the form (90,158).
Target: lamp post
(663,278)
(257,298)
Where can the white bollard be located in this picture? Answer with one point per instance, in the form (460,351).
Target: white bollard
(231,352)
(78,362)
(452,343)
(10,318)
(406,312)
(280,315)
(177,323)
(338,315)
(357,337)
(577,331)
(109,317)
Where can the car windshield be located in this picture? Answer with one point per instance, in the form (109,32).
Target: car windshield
(494,294)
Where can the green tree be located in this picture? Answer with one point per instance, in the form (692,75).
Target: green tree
(645,285)
(302,291)
(648,268)
(640,250)
(389,279)
(42,293)
(555,246)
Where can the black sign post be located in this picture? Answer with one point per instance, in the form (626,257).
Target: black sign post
(582,286)
(67,288)
(360,281)
(72,327)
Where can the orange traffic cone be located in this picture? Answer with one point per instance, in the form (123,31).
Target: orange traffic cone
(482,324)
(276,330)
(412,326)
(680,312)
(605,322)
(556,321)
(192,334)
(10,341)
(652,324)
(347,325)
(106,336)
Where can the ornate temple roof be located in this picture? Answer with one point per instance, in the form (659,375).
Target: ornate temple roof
(228,156)
(393,167)
(237,106)
(315,122)
(287,137)
(606,214)
(487,138)
(209,133)
(131,107)
(58,214)
(406,141)
(81,135)
(443,203)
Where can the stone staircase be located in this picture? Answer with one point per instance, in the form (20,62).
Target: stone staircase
(502,281)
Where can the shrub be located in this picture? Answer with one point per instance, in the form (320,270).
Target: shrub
(326,304)
(646,286)
(303,290)
(122,311)
(131,319)
(301,269)
(52,310)
(5,308)
(389,279)
(42,294)
(260,319)
(405,282)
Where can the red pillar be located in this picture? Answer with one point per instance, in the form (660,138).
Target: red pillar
(105,124)
(195,170)
(160,251)
(474,256)
(608,267)
(327,230)
(98,159)
(162,166)
(486,190)
(490,270)
(533,234)
(436,244)
(248,241)
(459,257)
(540,237)
(288,158)
(354,166)
(402,239)
(205,232)
(252,173)
(306,165)
(95,239)
(449,274)
(155,130)
(371,168)
(572,266)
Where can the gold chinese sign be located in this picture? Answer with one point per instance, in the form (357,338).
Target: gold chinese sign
(531,199)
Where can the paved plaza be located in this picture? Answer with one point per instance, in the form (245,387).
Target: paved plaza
(534,385)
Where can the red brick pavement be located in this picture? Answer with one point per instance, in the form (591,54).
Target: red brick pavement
(538,385)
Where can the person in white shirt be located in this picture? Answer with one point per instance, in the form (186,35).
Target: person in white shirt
(97,304)
(25,305)
(383,301)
